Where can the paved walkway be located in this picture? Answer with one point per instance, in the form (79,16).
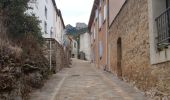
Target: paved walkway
(84,82)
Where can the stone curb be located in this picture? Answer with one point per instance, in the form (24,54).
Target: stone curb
(54,95)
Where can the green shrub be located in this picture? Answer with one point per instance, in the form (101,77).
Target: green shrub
(20,24)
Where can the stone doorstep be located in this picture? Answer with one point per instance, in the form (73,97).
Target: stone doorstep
(50,88)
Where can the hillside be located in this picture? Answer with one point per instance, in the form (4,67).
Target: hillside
(75,31)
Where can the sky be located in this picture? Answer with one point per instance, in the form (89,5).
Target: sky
(75,10)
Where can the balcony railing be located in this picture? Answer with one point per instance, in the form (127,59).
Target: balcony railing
(163,29)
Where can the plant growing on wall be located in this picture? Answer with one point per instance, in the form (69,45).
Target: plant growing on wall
(20,24)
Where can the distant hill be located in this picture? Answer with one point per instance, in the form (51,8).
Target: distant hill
(70,30)
(74,31)
(80,25)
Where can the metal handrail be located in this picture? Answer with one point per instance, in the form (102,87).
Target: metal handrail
(162,14)
(163,27)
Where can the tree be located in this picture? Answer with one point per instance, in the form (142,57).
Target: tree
(20,24)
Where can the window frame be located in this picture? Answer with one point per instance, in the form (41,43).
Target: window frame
(100,20)
(156,56)
(45,27)
(46,12)
(105,12)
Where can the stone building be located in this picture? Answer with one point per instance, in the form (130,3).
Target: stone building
(46,11)
(52,26)
(138,43)
(56,54)
(98,29)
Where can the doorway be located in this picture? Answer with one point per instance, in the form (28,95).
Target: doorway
(119,58)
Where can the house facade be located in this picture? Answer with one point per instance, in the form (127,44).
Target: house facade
(137,43)
(74,47)
(98,30)
(45,11)
(52,23)
(85,45)
(60,28)
(53,30)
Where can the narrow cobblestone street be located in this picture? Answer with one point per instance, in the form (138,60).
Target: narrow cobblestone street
(84,82)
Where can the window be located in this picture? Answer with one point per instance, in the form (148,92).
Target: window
(94,32)
(74,44)
(56,17)
(45,12)
(159,31)
(100,20)
(100,3)
(45,27)
(96,14)
(94,55)
(100,49)
(92,38)
(163,27)
(105,12)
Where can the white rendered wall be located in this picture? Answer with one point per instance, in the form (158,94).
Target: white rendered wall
(59,30)
(85,45)
(74,49)
(39,11)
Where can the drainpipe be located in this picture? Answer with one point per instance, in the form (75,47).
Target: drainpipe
(51,32)
(107,32)
(98,39)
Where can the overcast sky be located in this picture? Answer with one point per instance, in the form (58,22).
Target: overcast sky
(75,10)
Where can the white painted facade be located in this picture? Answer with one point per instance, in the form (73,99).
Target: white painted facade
(59,30)
(74,48)
(156,7)
(52,24)
(85,45)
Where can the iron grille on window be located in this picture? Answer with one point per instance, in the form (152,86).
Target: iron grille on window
(163,29)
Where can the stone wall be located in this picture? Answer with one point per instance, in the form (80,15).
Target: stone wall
(162,71)
(60,58)
(131,26)
(23,69)
(2,28)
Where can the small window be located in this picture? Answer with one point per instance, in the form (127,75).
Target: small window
(162,23)
(100,20)
(96,14)
(94,32)
(105,12)
(100,49)
(74,45)
(45,12)
(100,3)
(45,27)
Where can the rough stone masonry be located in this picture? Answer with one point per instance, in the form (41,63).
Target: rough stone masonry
(59,57)
(132,26)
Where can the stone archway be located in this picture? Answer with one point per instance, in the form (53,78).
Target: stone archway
(119,58)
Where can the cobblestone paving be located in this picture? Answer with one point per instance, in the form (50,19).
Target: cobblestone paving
(84,82)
